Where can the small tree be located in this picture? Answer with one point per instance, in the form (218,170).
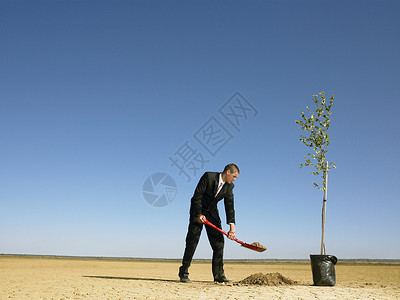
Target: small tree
(316,124)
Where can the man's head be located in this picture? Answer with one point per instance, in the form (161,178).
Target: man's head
(230,173)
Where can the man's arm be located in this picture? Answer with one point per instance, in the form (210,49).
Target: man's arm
(198,194)
(229,205)
(230,212)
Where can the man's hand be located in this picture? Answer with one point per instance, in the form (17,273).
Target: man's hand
(232,232)
(201,219)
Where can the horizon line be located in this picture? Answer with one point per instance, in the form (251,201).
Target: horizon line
(55,256)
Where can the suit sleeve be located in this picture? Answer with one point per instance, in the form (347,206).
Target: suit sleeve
(196,205)
(229,206)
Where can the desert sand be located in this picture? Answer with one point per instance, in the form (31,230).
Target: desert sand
(35,277)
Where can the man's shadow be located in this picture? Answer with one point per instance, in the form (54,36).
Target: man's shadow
(132,278)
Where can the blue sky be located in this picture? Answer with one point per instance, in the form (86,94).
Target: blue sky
(97,96)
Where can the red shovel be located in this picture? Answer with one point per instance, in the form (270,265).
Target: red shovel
(249,246)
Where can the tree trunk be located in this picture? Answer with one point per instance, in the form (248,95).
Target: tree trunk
(323,248)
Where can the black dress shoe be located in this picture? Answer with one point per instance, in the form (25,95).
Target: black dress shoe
(183,275)
(185,279)
(222,279)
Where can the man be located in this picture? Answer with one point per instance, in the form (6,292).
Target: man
(212,187)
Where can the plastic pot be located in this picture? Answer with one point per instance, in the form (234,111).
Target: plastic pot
(323,269)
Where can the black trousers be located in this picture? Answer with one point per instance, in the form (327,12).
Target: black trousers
(216,240)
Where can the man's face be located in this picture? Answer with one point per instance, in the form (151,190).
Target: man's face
(231,177)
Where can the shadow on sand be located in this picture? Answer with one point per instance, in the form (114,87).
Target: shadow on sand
(134,278)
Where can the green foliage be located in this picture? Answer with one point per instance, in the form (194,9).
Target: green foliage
(316,124)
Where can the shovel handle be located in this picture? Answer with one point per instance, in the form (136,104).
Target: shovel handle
(220,230)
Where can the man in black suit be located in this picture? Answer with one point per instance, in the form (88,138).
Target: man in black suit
(212,187)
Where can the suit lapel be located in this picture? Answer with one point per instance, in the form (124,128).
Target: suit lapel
(216,181)
(222,191)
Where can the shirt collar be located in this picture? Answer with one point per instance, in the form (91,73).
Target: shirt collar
(220,179)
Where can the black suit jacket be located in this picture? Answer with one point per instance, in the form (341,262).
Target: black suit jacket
(204,200)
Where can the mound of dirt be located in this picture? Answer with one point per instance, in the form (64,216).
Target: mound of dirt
(271,279)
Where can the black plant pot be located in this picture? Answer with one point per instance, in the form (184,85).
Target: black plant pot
(323,269)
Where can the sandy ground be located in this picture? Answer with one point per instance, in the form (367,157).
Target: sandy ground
(74,278)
